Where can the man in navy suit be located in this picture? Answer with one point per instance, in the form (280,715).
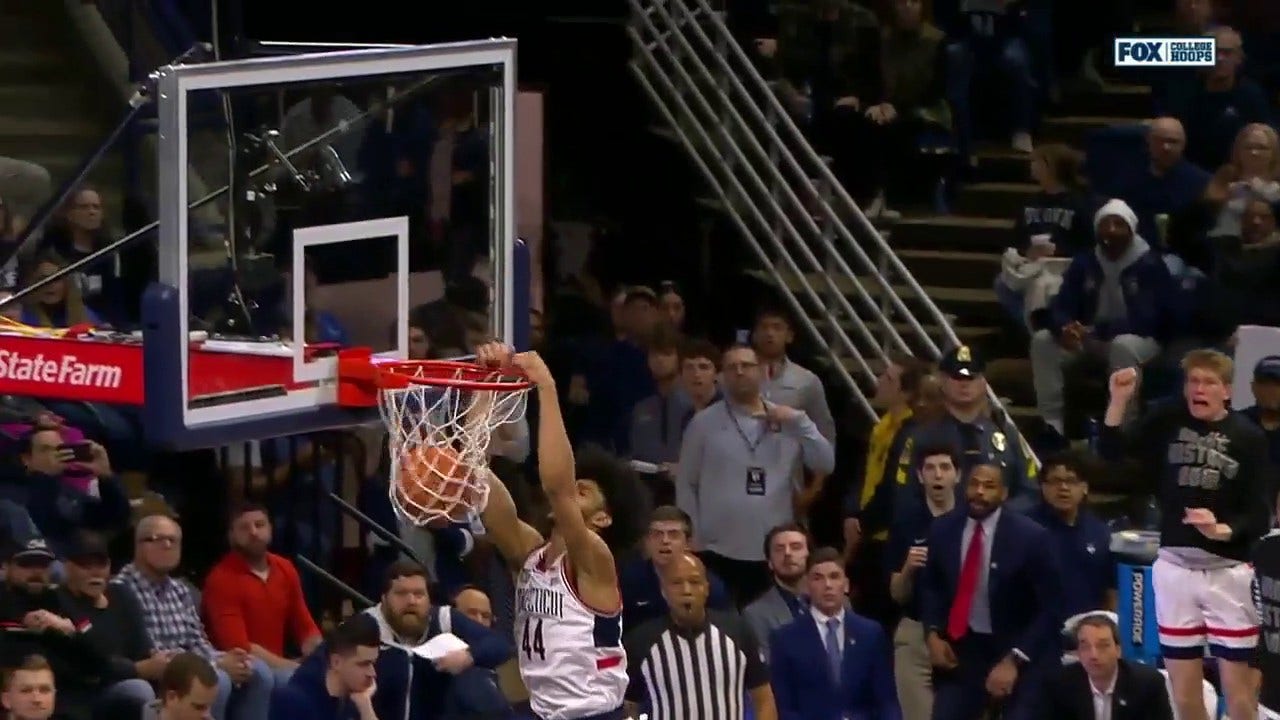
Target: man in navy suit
(831,663)
(987,603)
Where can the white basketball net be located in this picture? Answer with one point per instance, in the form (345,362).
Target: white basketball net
(459,423)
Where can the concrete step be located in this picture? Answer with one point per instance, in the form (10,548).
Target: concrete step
(40,66)
(974,306)
(23,136)
(977,335)
(21,32)
(1011,378)
(941,232)
(1115,100)
(994,199)
(30,101)
(1002,164)
(1075,129)
(61,166)
(952,267)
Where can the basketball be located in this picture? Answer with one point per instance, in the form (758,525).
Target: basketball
(434,483)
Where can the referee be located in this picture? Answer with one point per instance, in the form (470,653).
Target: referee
(695,664)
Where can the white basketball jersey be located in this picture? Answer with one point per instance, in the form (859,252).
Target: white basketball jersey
(571,657)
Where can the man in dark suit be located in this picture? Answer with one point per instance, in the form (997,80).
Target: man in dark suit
(988,605)
(1104,686)
(831,663)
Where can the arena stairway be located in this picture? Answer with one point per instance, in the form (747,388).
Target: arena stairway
(957,256)
(53,109)
(859,293)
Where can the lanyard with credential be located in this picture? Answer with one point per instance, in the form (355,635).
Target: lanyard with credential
(751,446)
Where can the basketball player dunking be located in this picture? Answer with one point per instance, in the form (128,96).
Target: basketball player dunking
(568,606)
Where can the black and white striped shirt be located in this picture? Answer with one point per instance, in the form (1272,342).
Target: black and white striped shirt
(694,674)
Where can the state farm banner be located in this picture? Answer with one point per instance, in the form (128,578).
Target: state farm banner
(59,369)
(92,370)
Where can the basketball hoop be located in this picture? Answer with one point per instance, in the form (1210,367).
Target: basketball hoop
(440,416)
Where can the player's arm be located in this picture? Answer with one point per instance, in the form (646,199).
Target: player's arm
(590,556)
(513,537)
(1248,507)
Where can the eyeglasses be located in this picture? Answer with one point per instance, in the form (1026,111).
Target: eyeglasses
(164,540)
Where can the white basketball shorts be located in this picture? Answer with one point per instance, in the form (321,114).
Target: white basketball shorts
(1199,607)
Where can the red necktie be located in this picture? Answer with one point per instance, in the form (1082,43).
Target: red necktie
(958,620)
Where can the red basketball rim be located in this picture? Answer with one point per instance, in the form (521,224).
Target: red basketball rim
(460,374)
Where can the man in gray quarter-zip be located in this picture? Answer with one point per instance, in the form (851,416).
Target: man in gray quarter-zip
(738,472)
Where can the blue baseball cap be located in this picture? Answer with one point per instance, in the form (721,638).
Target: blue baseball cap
(1268,368)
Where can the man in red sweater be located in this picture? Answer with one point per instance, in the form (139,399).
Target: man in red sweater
(253,598)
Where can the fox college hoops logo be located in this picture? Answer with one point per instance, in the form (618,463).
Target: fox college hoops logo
(1173,52)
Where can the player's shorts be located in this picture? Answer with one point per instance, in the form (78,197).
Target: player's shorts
(1199,607)
(618,714)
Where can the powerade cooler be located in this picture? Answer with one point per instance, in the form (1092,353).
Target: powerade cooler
(1135,550)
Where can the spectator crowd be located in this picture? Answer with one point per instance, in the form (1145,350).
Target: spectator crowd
(792,564)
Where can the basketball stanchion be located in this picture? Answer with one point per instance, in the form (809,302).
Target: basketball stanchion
(440,416)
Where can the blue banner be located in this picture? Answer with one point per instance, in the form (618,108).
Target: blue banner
(1136,608)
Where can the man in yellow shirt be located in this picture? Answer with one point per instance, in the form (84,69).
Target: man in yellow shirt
(868,506)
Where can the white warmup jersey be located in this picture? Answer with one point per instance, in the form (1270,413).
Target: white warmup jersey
(571,657)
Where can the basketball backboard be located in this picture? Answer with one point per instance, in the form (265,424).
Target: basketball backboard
(362,183)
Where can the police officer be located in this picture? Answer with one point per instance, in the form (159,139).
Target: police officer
(969,427)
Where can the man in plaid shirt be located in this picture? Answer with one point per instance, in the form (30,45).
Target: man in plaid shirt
(172,617)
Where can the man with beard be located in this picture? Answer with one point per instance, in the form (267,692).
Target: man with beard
(345,688)
(968,427)
(29,692)
(411,687)
(787,547)
(253,598)
(38,622)
(1210,468)
(1115,304)
(115,626)
(908,550)
(988,599)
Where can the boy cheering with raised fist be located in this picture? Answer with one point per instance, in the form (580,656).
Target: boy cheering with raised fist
(1210,464)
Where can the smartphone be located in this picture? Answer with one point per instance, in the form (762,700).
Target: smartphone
(81,451)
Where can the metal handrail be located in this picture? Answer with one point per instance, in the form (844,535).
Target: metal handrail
(761,186)
(709,175)
(684,49)
(749,71)
(789,158)
(779,212)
